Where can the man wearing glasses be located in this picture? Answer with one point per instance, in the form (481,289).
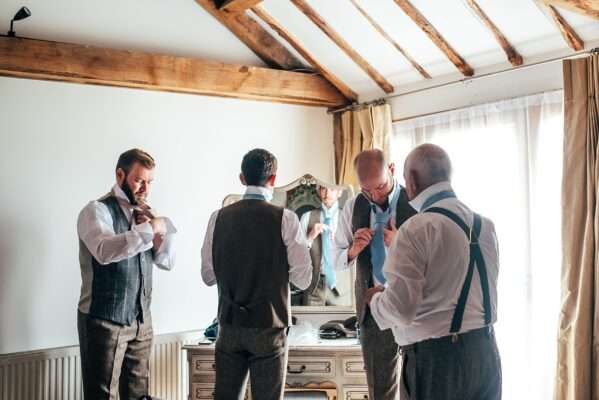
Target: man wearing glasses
(365,230)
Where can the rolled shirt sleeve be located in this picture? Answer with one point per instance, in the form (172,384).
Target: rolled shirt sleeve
(298,254)
(404,270)
(343,237)
(164,256)
(95,229)
(208,275)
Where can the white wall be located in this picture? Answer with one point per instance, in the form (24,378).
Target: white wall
(58,147)
(515,83)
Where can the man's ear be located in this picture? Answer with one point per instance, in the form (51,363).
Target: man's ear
(271,180)
(242,180)
(120,176)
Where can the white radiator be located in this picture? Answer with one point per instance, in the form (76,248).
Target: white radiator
(55,374)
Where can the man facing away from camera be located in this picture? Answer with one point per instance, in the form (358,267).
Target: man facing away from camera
(252,251)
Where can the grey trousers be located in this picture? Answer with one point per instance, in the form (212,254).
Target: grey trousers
(114,358)
(441,369)
(261,352)
(381,360)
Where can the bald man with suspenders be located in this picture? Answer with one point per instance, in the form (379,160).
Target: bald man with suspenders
(441,294)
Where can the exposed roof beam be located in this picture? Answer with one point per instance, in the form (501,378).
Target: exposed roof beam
(435,36)
(237,6)
(568,33)
(309,12)
(294,42)
(388,37)
(38,59)
(590,8)
(273,53)
(513,56)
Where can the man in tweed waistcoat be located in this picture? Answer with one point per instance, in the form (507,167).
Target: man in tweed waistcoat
(120,239)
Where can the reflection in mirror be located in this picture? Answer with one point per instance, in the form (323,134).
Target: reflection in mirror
(318,205)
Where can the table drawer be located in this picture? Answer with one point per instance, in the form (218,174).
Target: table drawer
(202,365)
(311,366)
(202,391)
(353,366)
(355,393)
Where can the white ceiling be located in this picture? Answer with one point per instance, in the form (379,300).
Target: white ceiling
(181,27)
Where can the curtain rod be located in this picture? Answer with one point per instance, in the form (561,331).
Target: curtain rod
(464,80)
(357,106)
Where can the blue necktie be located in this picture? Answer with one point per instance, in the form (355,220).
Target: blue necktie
(329,273)
(378,252)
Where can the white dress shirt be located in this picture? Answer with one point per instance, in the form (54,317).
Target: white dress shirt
(96,231)
(344,235)
(425,271)
(298,255)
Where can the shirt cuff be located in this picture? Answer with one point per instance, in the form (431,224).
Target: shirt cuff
(139,238)
(376,314)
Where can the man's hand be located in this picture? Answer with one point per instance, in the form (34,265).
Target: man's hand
(371,292)
(158,226)
(361,239)
(316,230)
(140,218)
(389,233)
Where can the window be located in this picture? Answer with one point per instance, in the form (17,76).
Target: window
(507,159)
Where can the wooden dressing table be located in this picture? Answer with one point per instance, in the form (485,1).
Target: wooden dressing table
(333,364)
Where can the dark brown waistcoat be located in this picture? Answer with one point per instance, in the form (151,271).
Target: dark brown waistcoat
(251,267)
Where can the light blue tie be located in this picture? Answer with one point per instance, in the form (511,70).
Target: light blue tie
(378,252)
(329,273)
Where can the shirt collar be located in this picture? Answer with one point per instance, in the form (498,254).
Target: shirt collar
(260,190)
(432,190)
(332,210)
(119,193)
(396,188)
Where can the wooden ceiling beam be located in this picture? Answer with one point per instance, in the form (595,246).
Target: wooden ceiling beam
(589,8)
(513,56)
(309,12)
(393,42)
(421,21)
(568,33)
(37,59)
(294,42)
(237,6)
(266,47)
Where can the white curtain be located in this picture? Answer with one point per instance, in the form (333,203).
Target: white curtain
(507,159)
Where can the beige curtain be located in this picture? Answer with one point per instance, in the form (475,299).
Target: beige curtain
(577,371)
(367,128)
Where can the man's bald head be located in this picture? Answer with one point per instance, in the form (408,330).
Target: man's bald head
(426,165)
(368,163)
(374,175)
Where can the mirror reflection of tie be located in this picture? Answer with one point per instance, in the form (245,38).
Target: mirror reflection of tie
(329,273)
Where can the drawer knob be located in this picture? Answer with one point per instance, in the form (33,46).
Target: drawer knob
(296,371)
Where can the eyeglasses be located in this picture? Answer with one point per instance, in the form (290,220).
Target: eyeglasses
(381,189)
